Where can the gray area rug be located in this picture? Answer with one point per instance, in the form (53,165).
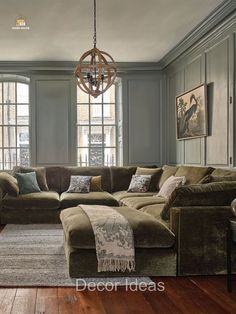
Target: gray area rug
(33,255)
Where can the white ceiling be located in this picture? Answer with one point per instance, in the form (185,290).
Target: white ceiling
(130,30)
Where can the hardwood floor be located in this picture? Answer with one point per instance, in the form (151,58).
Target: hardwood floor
(190,295)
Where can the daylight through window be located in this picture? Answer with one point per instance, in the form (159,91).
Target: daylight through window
(96,129)
(14,125)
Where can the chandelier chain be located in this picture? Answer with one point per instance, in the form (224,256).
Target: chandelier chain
(95,24)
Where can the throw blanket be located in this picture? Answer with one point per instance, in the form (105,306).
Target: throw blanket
(113,238)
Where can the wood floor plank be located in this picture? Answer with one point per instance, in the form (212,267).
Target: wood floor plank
(90,302)
(47,292)
(161,303)
(110,302)
(68,301)
(189,298)
(217,291)
(47,301)
(6,301)
(136,302)
(24,301)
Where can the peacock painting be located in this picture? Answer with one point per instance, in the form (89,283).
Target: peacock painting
(191,113)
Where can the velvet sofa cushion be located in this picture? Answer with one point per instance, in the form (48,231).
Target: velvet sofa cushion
(53,175)
(120,195)
(96,198)
(155,210)
(223,172)
(40,175)
(155,176)
(8,184)
(33,201)
(193,174)
(139,202)
(121,177)
(168,171)
(147,231)
(210,194)
(67,172)
(210,178)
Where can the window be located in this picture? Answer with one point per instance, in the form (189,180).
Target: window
(14,123)
(96,129)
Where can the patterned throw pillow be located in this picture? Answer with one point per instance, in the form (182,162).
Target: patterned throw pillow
(139,183)
(170,185)
(79,184)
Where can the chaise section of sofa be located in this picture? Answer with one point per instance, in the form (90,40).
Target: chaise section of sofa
(201,239)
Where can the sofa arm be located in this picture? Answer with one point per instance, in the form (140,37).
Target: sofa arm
(200,238)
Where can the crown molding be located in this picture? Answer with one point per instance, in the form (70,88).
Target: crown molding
(213,25)
(217,16)
(69,66)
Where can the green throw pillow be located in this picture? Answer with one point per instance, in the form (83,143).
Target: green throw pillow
(27,182)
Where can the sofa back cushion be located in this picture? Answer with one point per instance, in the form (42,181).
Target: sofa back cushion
(223,173)
(40,175)
(168,171)
(121,177)
(210,194)
(53,175)
(155,174)
(67,172)
(193,174)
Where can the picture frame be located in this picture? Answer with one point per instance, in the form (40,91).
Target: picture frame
(191,113)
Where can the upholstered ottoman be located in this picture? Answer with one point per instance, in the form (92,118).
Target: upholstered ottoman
(155,254)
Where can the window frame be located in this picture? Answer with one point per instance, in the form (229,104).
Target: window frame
(91,124)
(17,79)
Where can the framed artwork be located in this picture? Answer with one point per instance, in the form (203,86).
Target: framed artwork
(191,113)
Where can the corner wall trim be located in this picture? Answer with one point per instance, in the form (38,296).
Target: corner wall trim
(225,9)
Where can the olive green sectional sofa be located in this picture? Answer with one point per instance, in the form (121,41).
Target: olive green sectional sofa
(195,217)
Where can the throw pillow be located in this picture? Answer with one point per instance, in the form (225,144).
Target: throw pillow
(170,185)
(79,184)
(155,173)
(27,182)
(193,174)
(40,175)
(139,183)
(9,184)
(168,171)
(96,184)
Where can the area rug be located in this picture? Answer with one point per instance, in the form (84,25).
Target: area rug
(33,255)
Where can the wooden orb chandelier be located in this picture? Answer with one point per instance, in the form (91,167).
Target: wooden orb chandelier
(96,70)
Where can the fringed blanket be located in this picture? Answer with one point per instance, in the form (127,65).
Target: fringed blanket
(113,238)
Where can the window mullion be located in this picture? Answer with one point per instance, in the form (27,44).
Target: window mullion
(89,135)
(103,149)
(16,122)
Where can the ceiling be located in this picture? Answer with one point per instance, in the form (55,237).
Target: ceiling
(130,30)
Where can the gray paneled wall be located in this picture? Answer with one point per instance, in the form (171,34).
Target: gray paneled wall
(54,109)
(142,119)
(211,63)
(53,101)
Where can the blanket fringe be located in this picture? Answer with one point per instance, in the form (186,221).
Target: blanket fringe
(116,265)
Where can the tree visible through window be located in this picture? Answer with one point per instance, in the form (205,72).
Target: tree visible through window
(14,124)
(96,129)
